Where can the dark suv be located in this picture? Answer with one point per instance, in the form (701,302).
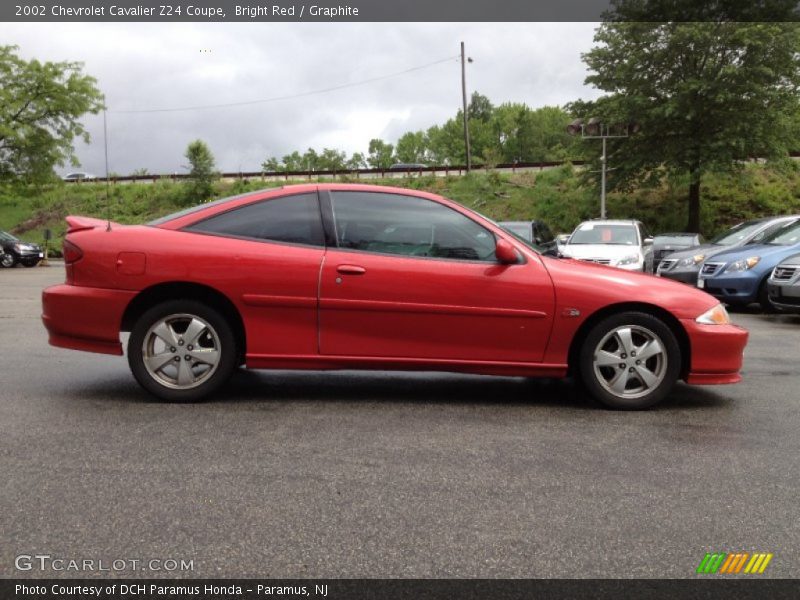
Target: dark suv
(16,251)
(534,232)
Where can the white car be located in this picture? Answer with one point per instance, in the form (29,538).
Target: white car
(623,244)
(78,176)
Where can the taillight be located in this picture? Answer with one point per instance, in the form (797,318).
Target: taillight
(71,252)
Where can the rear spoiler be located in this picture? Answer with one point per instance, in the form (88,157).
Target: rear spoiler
(82,223)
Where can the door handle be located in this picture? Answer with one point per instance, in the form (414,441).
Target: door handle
(351,269)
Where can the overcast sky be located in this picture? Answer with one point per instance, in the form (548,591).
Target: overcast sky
(155,66)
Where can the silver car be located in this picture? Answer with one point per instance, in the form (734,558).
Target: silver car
(783,285)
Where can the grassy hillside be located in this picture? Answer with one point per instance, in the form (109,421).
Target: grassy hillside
(556,196)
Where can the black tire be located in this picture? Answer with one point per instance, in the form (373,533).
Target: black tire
(8,260)
(640,383)
(763,298)
(164,382)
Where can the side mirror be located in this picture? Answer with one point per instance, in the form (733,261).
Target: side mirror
(648,241)
(505,253)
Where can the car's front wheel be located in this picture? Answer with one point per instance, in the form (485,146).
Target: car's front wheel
(182,351)
(630,361)
(7,260)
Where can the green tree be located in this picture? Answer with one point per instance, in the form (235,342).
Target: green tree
(412,147)
(332,160)
(357,161)
(446,142)
(707,94)
(40,104)
(202,173)
(310,160)
(293,162)
(381,154)
(480,108)
(271,165)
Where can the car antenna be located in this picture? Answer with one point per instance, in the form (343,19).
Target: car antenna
(108,183)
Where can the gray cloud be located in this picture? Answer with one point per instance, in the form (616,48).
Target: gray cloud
(147,66)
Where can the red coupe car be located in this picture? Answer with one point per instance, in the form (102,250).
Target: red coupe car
(366,277)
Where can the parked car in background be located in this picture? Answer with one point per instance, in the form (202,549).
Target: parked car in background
(562,239)
(407,167)
(783,285)
(665,244)
(16,251)
(370,277)
(685,266)
(78,176)
(739,276)
(534,232)
(617,243)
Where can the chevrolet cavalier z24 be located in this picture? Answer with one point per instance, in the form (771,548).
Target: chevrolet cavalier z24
(363,277)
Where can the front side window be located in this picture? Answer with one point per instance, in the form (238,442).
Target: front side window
(289,219)
(408,226)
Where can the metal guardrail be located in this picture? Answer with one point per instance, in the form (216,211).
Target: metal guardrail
(357,173)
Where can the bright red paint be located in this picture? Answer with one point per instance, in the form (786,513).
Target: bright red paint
(389,312)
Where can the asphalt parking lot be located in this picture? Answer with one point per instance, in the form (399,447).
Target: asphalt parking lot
(390,475)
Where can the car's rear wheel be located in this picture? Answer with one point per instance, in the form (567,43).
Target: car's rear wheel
(182,351)
(630,361)
(7,260)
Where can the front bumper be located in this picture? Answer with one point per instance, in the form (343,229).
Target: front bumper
(637,266)
(84,318)
(688,276)
(734,288)
(785,295)
(717,352)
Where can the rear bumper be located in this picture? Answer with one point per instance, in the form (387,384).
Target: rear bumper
(717,352)
(84,318)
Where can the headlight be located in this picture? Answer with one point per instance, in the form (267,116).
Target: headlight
(716,316)
(691,260)
(628,260)
(743,264)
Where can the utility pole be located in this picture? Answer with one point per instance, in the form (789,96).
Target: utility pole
(603,181)
(464,99)
(593,130)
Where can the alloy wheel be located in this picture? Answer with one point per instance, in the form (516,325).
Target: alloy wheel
(181,351)
(630,361)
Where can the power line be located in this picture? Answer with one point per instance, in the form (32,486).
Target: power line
(289,97)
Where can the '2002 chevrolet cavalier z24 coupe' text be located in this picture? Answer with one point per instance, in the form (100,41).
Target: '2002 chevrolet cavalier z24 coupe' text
(362,277)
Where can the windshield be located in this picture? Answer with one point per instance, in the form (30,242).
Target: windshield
(787,235)
(737,233)
(7,237)
(605,233)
